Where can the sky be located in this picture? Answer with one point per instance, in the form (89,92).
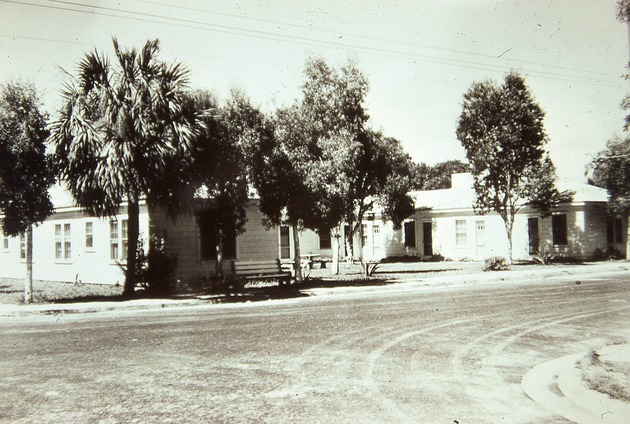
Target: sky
(420,57)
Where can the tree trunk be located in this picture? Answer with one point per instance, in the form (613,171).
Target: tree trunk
(133,234)
(218,267)
(297,262)
(628,234)
(509,225)
(361,246)
(28,246)
(334,269)
(350,242)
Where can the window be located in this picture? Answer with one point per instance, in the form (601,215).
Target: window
(22,247)
(614,230)
(325,241)
(113,240)
(118,234)
(364,237)
(559,230)
(124,233)
(63,242)
(410,234)
(89,235)
(285,242)
(461,238)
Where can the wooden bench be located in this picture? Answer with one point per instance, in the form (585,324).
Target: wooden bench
(244,271)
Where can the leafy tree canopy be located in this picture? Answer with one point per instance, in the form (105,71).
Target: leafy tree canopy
(219,167)
(501,128)
(611,170)
(436,177)
(623,10)
(25,171)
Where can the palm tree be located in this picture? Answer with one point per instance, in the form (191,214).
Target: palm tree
(125,134)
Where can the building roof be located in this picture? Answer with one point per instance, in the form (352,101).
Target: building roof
(462,195)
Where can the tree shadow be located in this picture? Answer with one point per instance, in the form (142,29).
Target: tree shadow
(6,289)
(415,271)
(314,283)
(93,298)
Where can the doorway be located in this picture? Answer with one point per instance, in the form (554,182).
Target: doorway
(427,239)
(533,235)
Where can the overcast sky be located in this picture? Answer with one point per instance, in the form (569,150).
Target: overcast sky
(420,56)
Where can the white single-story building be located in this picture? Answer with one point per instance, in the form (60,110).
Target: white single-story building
(71,246)
(445,224)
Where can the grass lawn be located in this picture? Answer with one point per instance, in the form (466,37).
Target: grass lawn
(607,376)
(12,290)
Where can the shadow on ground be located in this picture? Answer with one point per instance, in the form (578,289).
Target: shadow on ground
(425,271)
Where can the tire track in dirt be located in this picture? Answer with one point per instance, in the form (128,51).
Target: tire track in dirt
(377,354)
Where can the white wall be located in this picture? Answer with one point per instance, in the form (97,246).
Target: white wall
(92,265)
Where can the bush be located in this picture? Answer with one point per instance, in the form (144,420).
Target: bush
(544,257)
(610,254)
(156,268)
(413,258)
(496,263)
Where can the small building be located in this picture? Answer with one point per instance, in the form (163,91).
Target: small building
(445,224)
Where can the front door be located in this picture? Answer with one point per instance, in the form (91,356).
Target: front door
(480,232)
(376,242)
(285,242)
(427,239)
(534,236)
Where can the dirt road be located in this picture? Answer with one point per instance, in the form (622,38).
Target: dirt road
(443,355)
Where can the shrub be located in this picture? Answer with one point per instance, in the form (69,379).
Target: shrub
(610,254)
(156,268)
(544,257)
(496,263)
(370,267)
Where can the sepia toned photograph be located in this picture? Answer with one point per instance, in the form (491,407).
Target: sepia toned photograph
(319,212)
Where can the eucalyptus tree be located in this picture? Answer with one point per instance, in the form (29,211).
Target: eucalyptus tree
(125,134)
(502,131)
(25,171)
(323,165)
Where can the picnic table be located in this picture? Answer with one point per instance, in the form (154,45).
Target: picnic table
(308,259)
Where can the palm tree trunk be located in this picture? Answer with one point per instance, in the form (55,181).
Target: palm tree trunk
(28,246)
(133,228)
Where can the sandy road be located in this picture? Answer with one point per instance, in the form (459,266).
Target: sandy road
(418,355)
